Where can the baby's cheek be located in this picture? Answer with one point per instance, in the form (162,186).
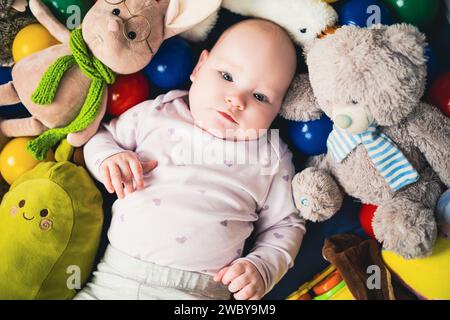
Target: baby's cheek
(260,120)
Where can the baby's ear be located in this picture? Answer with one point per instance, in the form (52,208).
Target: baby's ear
(407,40)
(182,15)
(300,104)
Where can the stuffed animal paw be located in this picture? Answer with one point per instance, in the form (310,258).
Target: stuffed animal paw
(405,227)
(316,194)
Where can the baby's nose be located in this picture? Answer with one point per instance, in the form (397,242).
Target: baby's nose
(236,101)
(113,25)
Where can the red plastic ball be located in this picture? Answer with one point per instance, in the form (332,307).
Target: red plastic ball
(439,93)
(365,218)
(126,92)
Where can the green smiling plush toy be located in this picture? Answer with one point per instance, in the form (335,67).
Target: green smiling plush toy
(50,227)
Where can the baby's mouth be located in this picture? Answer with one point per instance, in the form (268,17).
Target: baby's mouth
(25,217)
(228,117)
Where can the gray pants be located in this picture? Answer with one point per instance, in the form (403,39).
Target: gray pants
(121,277)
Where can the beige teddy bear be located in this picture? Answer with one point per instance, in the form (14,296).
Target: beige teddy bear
(387,148)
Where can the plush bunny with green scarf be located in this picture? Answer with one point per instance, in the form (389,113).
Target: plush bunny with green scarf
(64,87)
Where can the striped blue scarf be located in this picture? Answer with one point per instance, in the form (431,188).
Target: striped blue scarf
(385,155)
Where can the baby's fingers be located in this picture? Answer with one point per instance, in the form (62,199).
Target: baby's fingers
(149,165)
(106,177)
(116,178)
(138,173)
(246,293)
(127,177)
(219,275)
(239,283)
(232,273)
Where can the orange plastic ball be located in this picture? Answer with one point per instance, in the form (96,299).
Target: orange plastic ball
(31,39)
(15,160)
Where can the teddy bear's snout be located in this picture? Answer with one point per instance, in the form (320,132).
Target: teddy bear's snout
(353,119)
(343,121)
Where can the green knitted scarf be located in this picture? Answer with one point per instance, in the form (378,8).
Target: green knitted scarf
(45,93)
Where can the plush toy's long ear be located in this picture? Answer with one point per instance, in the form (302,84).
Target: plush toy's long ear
(300,104)
(49,21)
(184,14)
(20,5)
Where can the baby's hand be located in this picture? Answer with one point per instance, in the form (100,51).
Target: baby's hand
(121,169)
(242,278)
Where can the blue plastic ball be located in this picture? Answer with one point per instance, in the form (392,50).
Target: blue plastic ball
(364,13)
(310,137)
(443,208)
(13,111)
(5,75)
(433,66)
(172,65)
(439,37)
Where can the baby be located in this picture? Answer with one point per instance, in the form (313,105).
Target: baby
(179,226)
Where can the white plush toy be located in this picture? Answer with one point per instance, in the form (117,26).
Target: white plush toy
(303,19)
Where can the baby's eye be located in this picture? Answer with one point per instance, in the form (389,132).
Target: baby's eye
(260,97)
(226,76)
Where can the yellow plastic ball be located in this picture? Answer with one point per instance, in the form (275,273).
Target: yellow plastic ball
(15,160)
(429,277)
(31,39)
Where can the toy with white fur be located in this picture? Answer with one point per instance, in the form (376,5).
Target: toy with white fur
(303,19)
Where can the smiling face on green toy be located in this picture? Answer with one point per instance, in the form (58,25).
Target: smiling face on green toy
(50,219)
(45,224)
(34,234)
(29,208)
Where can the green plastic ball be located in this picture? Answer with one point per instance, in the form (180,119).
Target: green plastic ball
(417,12)
(69,12)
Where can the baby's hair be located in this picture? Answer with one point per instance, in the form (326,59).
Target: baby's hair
(267,26)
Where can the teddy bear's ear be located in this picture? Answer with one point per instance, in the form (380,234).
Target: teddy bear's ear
(182,15)
(407,40)
(300,104)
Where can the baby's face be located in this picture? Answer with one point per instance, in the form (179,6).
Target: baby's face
(238,88)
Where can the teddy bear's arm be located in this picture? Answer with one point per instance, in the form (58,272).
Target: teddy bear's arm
(46,18)
(430,130)
(316,193)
